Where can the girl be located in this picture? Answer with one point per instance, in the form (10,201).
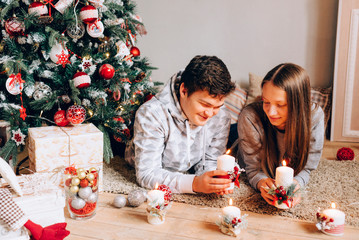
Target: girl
(284,125)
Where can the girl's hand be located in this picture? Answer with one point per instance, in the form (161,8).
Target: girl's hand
(263,186)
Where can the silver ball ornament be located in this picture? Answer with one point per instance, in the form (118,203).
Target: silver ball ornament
(92,198)
(78,203)
(136,198)
(84,193)
(119,201)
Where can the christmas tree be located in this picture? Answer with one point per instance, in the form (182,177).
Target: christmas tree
(70,61)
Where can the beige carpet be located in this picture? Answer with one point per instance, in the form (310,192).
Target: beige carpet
(335,181)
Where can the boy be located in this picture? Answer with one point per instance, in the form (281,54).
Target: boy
(179,134)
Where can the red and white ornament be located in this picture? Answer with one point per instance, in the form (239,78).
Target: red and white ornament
(38,8)
(82,80)
(107,71)
(95,29)
(14,84)
(18,137)
(60,118)
(88,14)
(122,49)
(59,54)
(14,27)
(76,114)
(135,51)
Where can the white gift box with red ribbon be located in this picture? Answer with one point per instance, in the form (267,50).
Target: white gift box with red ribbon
(54,147)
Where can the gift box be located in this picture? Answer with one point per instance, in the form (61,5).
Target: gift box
(59,147)
(43,202)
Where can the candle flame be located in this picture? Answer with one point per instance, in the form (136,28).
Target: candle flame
(333,205)
(284,163)
(228,151)
(156,187)
(230,202)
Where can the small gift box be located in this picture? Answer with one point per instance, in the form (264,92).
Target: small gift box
(55,147)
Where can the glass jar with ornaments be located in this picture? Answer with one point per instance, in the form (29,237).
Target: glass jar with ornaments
(81,189)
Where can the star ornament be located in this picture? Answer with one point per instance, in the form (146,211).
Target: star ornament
(18,137)
(86,63)
(63,58)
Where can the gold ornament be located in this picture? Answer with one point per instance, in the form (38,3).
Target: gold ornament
(80,170)
(75,181)
(74,189)
(89,113)
(90,176)
(81,175)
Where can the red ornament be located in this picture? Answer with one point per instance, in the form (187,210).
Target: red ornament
(63,58)
(345,154)
(82,80)
(14,27)
(135,51)
(76,114)
(84,183)
(118,139)
(38,8)
(60,118)
(168,193)
(88,14)
(107,71)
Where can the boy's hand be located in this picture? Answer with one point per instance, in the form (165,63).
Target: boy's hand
(207,183)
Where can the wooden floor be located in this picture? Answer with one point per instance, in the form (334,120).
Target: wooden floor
(185,221)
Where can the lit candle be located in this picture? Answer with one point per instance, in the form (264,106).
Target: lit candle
(338,221)
(231,211)
(284,175)
(226,163)
(156,196)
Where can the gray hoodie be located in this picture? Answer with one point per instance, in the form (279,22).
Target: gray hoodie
(167,147)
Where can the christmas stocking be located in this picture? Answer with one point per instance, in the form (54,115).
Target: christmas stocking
(11,214)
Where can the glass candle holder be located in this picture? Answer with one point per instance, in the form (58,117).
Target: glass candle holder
(81,189)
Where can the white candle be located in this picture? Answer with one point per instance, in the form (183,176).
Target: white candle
(156,196)
(337,215)
(284,175)
(225,162)
(231,211)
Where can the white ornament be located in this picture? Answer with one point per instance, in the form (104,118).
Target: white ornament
(122,50)
(62,5)
(41,90)
(119,201)
(92,198)
(29,90)
(78,203)
(84,193)
(57,49)
(18,137)
(14,85)
(95,29)
(86,63)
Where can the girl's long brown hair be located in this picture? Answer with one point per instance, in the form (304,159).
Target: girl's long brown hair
(294,80)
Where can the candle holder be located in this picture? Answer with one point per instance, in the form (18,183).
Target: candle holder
(283,196)
(159,202)
(232,226)
(330,221)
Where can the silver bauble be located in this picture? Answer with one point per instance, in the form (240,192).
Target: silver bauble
(84,193)
(78,203)
(76,31)
(92,198)
(136,198)
(119,201)
(41,90)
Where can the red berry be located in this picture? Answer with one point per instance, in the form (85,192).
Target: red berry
(233,221)
(277,191)
(331,220)
(318,215)
(281,187)
(283,192)
(158,206)
(324,218)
